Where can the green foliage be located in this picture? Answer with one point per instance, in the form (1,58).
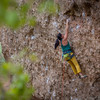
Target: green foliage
(8,15)
(1,55)
(25,53)
(24,9)
(48,6)
(0,48)
(18,89)
(12,19)
(32,21)
(33,57)
(13,15)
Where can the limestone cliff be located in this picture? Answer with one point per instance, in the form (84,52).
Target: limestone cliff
(84,37)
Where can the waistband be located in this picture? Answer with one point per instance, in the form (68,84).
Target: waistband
(67,51)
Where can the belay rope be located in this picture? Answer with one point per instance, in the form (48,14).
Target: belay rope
(63,70)
(67,55)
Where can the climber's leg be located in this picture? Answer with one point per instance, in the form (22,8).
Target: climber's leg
(76,64)
(72,66)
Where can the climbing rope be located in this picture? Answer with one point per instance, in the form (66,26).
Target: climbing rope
(63,70)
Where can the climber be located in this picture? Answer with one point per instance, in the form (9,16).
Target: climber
(67,53)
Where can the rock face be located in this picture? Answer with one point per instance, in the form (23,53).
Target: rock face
(84,37)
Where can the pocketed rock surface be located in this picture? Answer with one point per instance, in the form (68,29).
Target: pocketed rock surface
(46,73)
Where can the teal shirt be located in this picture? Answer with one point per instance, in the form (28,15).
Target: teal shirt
(66,47)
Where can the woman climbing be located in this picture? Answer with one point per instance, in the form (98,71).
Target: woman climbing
(67,52)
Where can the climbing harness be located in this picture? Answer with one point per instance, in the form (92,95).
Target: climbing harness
(68,55)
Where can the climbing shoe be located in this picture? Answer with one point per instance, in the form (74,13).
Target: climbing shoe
(82,76)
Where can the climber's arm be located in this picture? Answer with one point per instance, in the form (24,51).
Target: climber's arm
(66,31)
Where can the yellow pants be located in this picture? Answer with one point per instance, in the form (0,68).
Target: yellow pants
(74,65)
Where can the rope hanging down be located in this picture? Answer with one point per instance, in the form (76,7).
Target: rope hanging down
(63,70)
